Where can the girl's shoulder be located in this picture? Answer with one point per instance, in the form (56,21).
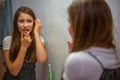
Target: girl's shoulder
(7,42)
(7,38)
(78,56)
(79,63)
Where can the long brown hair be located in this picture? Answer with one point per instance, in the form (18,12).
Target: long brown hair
(91,22)
(16,43)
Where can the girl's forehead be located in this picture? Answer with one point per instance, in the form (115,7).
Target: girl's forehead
(25,16)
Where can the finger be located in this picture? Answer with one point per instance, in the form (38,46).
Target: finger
(29,37)
(37,21)
(27,34)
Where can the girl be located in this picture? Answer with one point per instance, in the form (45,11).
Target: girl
(90,25)
(24,47)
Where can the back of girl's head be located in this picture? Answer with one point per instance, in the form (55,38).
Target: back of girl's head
(91,22)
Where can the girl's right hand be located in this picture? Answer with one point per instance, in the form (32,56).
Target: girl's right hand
(26,40)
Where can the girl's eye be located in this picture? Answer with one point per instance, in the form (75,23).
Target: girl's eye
(29,21)
(21,21)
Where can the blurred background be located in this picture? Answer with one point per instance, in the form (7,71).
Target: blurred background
(53,14)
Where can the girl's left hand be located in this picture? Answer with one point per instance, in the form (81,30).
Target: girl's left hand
(70,45)
(37,26)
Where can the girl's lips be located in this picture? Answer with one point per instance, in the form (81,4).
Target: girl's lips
(25,29)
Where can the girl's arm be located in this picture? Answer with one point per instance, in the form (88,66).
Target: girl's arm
(15,66)
(40,49)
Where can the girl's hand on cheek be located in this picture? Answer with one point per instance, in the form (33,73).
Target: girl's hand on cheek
(37,26)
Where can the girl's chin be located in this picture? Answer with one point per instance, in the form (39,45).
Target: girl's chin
(24,33)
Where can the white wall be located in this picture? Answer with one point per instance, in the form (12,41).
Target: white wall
(115,8)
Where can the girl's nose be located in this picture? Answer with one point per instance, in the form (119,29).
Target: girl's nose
(25,24)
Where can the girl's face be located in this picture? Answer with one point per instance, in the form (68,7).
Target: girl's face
(70,28)
(25,23)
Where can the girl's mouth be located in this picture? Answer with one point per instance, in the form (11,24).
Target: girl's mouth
(26,30)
